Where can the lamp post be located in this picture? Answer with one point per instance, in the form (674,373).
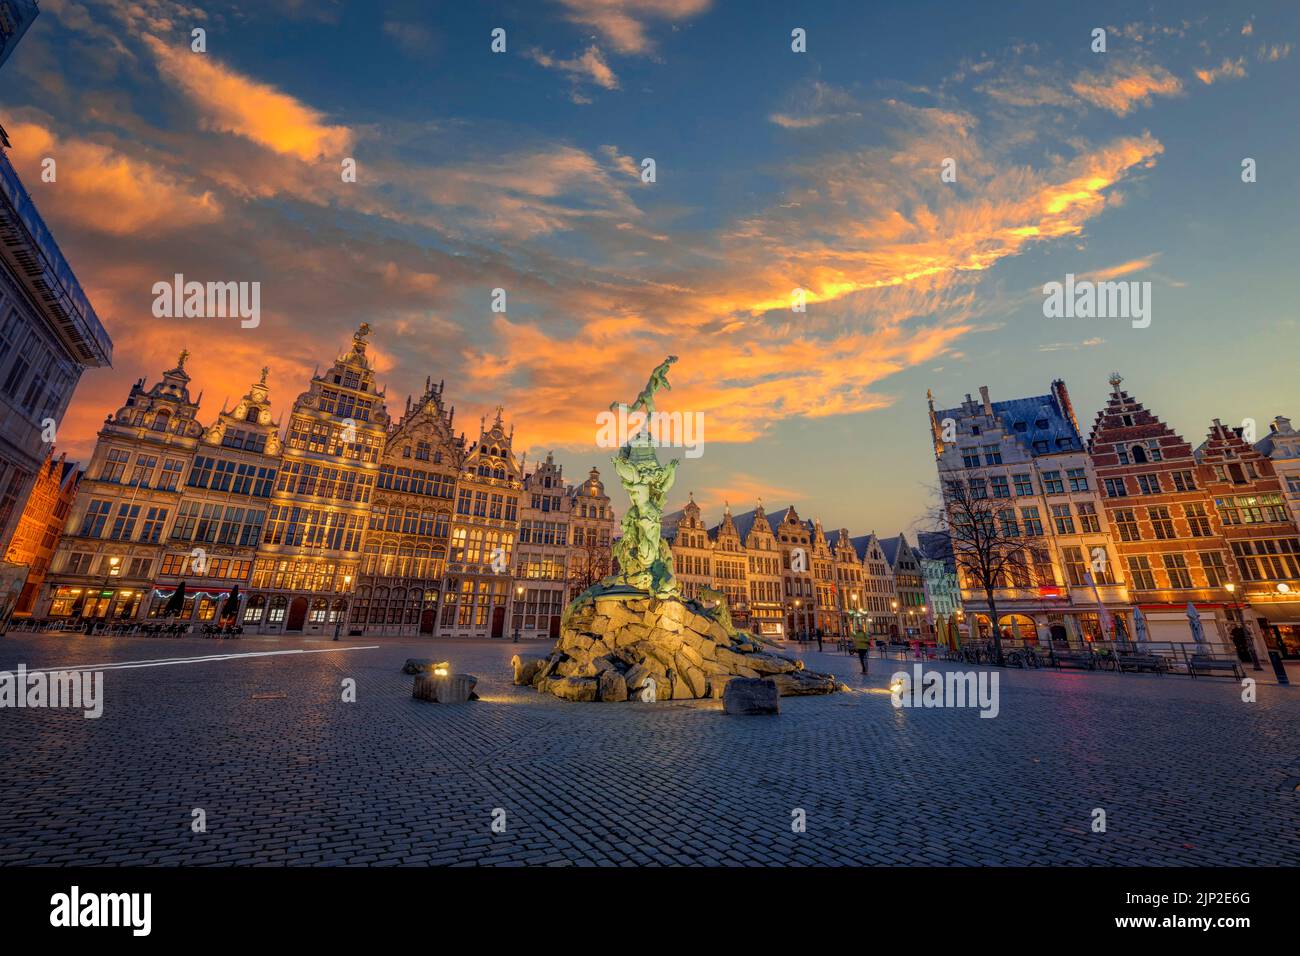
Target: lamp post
(114,568)
(1231,588)
(338,620)
(514,610)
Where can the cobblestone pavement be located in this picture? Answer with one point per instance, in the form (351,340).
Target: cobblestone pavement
(287,773)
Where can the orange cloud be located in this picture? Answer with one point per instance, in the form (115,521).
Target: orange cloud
(105,190)
(1227,70)
(1124,89)
(879,300)
(622,22)
(589,66)
(1123,269)
(233,103)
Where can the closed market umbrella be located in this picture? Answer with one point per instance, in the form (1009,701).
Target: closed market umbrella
(1194,621)
(231,608)
(1140,626)
(176,603)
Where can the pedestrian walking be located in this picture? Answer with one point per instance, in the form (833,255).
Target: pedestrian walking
(862,644)
(819,638)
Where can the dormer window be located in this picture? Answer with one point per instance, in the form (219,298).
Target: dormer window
(1021,426)
(1041,424)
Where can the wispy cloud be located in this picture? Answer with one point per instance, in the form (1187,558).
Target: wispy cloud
(1122,269)
(588,66)
(105,190)
(231,102)
(1227,70)
(1123,89)
(624,23)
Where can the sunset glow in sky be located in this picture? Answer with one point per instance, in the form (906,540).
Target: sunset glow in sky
(775,170)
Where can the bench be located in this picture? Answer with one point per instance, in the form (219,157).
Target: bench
(1082,659)
(1141,662)
(1211,664)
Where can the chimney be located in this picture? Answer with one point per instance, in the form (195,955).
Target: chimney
(988,406)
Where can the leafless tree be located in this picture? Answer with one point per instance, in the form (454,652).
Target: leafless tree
(987,543)
(588,564)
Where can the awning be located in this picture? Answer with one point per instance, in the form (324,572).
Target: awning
(1277,612)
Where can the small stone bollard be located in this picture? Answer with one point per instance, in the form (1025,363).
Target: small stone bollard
(751,696)
(450,689)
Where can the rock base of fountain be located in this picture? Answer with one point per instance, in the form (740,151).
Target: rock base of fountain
(617,646)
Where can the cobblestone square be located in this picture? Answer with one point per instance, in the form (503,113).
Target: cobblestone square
(287,773)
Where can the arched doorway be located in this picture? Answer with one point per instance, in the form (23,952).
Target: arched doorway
(297,614)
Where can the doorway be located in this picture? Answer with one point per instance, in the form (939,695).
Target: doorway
(297,614)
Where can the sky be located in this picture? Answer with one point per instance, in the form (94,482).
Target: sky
(774,170)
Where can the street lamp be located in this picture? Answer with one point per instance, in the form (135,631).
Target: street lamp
(514,609)
(1231,588)
(113,570)
(339,612)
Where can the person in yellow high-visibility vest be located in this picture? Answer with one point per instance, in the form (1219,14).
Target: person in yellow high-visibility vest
(862,644)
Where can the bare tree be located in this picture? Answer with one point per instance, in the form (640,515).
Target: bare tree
(987,543)
(589,562)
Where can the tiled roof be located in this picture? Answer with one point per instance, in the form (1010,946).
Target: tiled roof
(1057,425)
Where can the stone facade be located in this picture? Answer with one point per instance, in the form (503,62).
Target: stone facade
(1280,617)
(112,549)
(49,335)
(1260,531)
(409,529)
(1028,458)
(218,524)
(565,535)
(311,551)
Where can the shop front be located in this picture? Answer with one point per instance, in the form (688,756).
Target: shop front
(93,602)
(1279,624)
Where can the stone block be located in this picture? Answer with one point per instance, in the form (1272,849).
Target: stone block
(751,698)
(449,689)
(573,688)
(801,683)
(769,663)
(611,687)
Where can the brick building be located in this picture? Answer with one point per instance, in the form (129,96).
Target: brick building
(36,537)
(1167,533)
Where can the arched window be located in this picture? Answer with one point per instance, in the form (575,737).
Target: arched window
(1139,455)
(255,608)
(161,420)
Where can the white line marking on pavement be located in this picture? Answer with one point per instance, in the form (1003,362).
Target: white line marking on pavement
(164,661)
